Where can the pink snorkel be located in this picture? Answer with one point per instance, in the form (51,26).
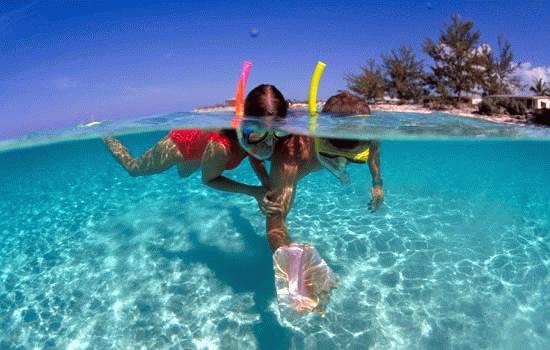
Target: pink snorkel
(239,94)
(241,87)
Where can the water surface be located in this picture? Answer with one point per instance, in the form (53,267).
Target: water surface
(458,257)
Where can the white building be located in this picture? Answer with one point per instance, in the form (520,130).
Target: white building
(541,102)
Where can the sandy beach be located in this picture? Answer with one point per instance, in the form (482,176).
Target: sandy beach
(469,112)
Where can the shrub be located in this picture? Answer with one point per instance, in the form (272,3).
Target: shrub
(487,107)
(500,105)
(542,117)
(435,102)
(515,107)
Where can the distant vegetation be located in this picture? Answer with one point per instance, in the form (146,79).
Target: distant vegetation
(369,83)
(461,66)
(540,88)
(501,105)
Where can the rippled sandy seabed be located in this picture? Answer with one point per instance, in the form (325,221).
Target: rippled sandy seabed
(458,257)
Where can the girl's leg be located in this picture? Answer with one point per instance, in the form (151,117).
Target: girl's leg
(162,156)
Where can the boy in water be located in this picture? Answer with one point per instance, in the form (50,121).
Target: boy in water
(303,279)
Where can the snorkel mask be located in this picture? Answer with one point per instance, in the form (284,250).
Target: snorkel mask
(336,159)
(357,154)
(336,165)
(258,141)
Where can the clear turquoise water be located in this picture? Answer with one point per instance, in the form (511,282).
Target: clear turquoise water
(458,257)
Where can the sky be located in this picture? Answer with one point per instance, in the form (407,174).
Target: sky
(67,62)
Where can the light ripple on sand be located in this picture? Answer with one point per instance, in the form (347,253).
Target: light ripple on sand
(101,263)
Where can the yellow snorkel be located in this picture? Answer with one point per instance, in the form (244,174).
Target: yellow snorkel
(335,166)
(330,157)
(312,96)
(314,87)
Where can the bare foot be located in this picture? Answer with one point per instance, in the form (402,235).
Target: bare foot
(112,143)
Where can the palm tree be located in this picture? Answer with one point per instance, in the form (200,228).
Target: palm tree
(540,88)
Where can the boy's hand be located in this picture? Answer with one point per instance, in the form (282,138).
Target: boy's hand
(377,197)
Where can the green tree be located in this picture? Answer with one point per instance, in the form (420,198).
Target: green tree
(540,88)
(455,57)
(369,83)
(498,76)
(404,74)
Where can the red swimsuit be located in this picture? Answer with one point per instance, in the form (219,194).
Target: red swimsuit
(192,143)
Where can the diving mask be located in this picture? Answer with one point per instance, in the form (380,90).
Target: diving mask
(357,154)
(335,159)
(252,136)
(258,142)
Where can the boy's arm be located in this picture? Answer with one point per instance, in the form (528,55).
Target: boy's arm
(374,163)
(377,191)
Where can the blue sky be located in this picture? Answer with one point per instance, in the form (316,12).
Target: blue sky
(64,62)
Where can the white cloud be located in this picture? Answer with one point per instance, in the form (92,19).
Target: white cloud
(527,74)
(481,49)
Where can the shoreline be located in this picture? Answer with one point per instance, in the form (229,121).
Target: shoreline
(456,111)
(397,108)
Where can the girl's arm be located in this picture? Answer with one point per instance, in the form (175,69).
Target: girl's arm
(214,160)
(260,170)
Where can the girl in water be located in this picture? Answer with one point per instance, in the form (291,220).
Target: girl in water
(214,151)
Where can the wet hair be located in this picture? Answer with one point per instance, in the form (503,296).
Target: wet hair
(342,105)
(265,100)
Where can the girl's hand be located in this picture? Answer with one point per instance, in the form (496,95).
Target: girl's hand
(267,206)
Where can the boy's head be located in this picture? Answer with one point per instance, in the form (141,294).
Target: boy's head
(334,153)
(344,103)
